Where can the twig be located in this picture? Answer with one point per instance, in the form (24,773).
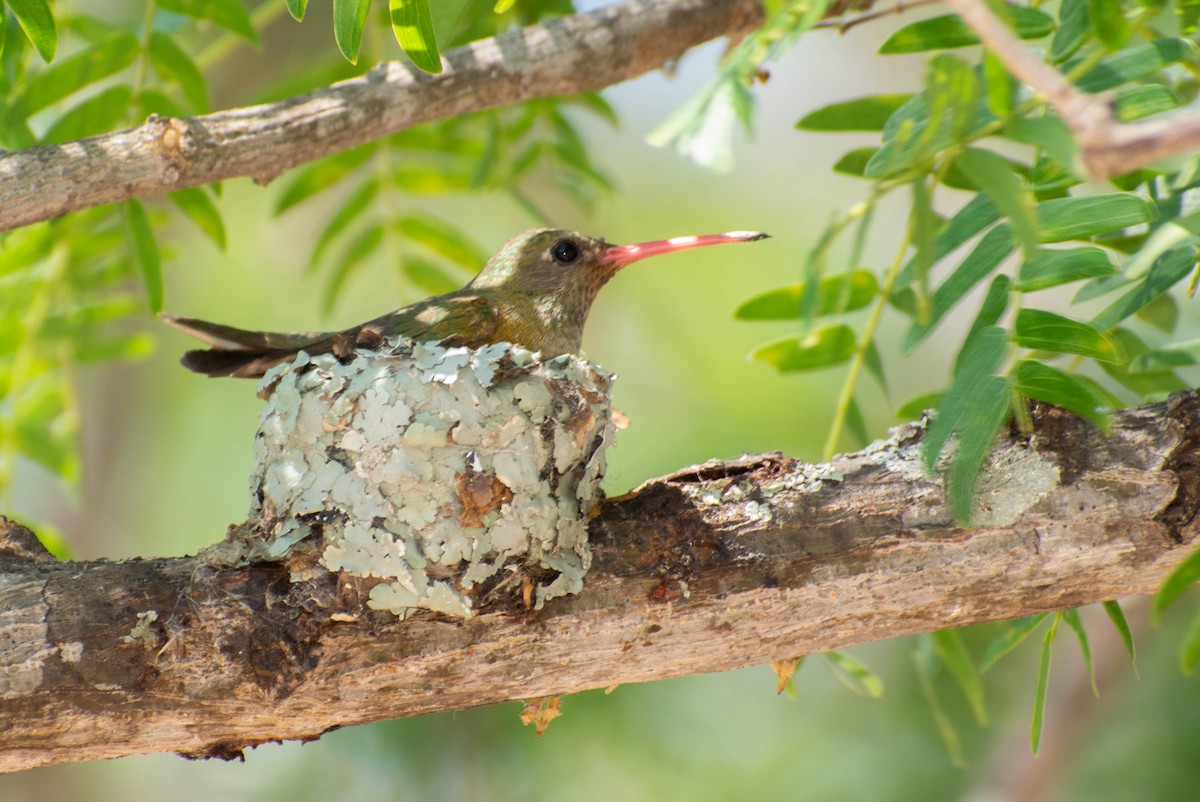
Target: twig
(844,25)
(1108,147)
(562,56)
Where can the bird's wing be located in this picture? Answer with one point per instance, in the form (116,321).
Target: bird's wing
(467,319)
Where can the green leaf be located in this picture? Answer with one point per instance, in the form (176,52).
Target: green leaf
(874,364)
(994,305)
(414,31)
(822,348)
(951,650)
(428,276)
(151,101)
(1134,63)
(172,63)
(1050,179)
(975,216)
(914,408)
(1043,681)
(854,674)
(948,111)
(228,14)
(198,207)
(144,250)
(321,175)
(1013,635)
(1057,266)
(995,176)
(939,33)
(1182,230)
(1189,650)
(1188,12)
(349,21)
(108,349)
(74,73)
(1168,357)
(38,23)
(424,178)
(922,221)
(55,454)
(1148,386)
(354,255)
(1073,28)
(350,211)
(1181,578)
(1165,272)
(1162,313)
(1100,286)
(978,426)
(1074,622)
(1048,331)
(1109,23)
(443,239)
(977,363)
(1144,100)
(857,423)
(924,659)
(296,8)
(1001,88)
(702,130)
(845,292)
(446,14)
(1063,219)
(861,114)
(1049,133)
(995,246)
(1036,379)
(99,114)
(855,162)
(1117,616)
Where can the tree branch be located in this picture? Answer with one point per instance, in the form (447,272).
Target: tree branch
(713,568)
(562,56)
(1108,147)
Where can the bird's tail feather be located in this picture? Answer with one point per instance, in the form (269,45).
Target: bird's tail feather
(241,353)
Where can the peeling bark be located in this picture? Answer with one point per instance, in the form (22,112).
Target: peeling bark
(715,567)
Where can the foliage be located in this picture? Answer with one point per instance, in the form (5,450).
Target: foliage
(999,214)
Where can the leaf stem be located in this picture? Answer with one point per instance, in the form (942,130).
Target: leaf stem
(139,71)
(846,398)
(260,18)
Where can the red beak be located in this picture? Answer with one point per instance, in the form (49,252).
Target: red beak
(617,256)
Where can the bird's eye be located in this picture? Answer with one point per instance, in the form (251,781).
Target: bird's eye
(564,252)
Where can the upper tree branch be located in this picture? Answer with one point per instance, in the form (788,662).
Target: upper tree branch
(713,568)
(1108,147)
(562,56)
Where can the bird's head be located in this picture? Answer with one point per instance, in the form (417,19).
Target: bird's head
(567,269)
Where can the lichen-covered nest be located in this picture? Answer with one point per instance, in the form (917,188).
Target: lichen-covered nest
(434,469)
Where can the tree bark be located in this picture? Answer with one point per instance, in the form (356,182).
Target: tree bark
(719,566)
(581,53)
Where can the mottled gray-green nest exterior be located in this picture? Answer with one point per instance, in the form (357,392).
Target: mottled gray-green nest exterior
(433,469)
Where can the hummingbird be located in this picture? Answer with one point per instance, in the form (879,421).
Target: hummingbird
(536,292)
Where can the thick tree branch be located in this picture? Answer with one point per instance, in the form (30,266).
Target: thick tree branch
(562,56)
(1108,147)
(713,568)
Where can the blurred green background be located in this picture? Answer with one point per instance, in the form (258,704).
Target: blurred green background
(168,456)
